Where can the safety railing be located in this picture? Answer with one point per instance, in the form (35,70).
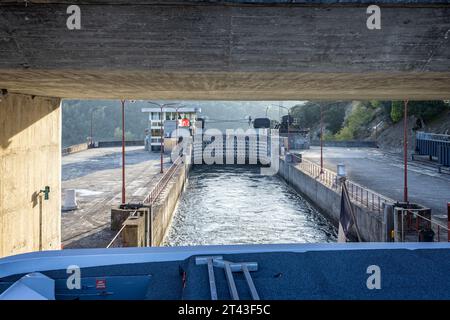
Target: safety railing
(439,227)
(414,222)
(162,182)
(432,136)
(114,242)
(151,197)
(358,194)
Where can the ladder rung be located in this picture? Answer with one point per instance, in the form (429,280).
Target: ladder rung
(251,285)
(229,268)
(231,283)
(212,280)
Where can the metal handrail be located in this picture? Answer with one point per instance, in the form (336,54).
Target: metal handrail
(154,193)
(439,227)
(432,136)
(421,217)
(429,220)
(121,229)
(359,194)
(162,182)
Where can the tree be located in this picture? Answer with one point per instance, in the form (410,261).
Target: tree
(357,121)
(308,114)
(427,110)
(397,111)
(118,134)
(344,134)
(424,110)
(334,116)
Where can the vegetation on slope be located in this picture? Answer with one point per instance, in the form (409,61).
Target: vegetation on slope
(351,120)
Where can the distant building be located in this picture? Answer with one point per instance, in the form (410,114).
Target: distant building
(187,117)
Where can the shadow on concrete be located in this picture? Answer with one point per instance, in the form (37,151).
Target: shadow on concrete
(98,239)
(19,112)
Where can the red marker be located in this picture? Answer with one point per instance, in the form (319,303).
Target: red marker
(100,284)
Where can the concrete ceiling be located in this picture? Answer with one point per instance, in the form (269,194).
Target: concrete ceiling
(227,52)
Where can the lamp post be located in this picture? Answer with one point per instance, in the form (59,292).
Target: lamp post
(161,136)
(123,150)
(91,133)
(176,124)
(321,139)
(405,152)
(161,106)
(321,135)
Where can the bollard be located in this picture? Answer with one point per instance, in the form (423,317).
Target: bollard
(70,200)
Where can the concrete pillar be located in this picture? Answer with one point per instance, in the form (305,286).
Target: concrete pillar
(133,234)
(30,160)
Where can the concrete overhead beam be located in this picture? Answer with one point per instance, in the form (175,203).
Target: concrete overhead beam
(237,2)
(238,51)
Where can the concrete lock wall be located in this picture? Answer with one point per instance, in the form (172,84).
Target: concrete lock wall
(30,159)
(346,144)
(370,223)
(75,148)
(163,210)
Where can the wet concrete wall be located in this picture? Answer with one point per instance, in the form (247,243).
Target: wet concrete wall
(162,212)
(329,202)
(75,148)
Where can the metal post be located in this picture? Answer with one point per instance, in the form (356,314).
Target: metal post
(403,228)
(373,201)
(289,116)
(405,152)
(367,198)
(161,140)
(91,134)
(123,151)
(321,139)
(176,126)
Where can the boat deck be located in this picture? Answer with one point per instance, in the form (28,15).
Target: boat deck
(338,273)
